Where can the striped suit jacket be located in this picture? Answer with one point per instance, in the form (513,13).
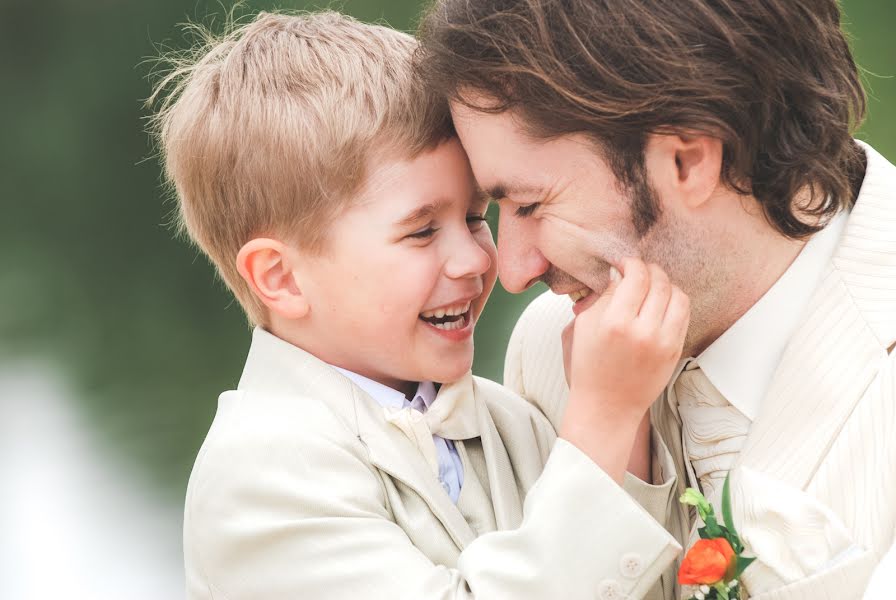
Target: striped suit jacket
(827,425)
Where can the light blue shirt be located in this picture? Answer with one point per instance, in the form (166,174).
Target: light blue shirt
(451,469)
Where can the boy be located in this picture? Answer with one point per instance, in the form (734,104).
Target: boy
(330,192)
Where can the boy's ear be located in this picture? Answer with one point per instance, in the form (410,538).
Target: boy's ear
(685,167)
(266,265)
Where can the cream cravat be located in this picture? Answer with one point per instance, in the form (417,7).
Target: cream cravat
(713,431)
(413,423)
(452,415)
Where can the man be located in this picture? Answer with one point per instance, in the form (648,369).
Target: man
(713,139)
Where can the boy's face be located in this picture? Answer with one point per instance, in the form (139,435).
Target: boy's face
(405,274)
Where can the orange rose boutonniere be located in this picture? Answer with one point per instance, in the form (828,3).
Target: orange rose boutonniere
(707,563)
(716,561)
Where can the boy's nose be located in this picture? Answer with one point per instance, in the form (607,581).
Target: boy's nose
(520,262)
(468,259)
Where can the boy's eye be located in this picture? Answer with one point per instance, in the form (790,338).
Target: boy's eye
(424,233)
(474,222)
(526,210)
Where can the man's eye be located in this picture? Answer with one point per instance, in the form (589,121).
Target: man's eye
(475,221)
(528,209)
(424,233)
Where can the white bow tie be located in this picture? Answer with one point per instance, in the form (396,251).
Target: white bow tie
(452,415)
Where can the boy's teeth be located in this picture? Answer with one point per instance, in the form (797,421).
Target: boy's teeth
(451,311)
(450,325)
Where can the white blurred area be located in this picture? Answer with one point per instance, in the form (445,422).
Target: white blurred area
(74,524)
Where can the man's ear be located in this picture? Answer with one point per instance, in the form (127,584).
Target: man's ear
(267,266)
(684,167)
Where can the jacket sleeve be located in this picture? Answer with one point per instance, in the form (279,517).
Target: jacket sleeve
(321,528)
(533,368)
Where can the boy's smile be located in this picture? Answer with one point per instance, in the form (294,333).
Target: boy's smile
(453,321)
(405,273)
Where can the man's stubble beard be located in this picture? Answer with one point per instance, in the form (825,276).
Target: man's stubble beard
(692,257)
(686,253)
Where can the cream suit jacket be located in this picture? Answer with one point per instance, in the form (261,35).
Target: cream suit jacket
(827,425)
(302,490)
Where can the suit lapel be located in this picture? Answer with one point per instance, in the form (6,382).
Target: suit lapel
(501,480)
(836,352)
(394,454)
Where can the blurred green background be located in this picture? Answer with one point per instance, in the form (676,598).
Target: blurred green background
(96,293)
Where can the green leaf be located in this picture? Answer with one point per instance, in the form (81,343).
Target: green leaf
(726,506)
(732,539)
(713,529)
(742,563)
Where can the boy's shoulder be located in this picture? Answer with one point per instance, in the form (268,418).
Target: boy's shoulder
(253,433)
(269,462)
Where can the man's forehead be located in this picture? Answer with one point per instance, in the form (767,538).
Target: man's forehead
(480,118)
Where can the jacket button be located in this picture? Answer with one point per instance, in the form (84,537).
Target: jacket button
(610,589)
(631,565)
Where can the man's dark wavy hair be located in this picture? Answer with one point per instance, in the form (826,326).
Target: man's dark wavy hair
(774,80)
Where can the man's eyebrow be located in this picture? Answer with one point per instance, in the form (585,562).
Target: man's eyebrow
(422,212)
(503,190)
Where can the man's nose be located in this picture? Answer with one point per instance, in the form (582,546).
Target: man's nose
(520,262)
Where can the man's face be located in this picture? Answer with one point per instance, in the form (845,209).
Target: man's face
(564,218)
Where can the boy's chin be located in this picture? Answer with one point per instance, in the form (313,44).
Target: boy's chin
(450,370)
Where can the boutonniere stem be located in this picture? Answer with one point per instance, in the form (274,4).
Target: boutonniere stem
(716,560)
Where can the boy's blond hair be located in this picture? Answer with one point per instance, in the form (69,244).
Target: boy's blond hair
(268,130)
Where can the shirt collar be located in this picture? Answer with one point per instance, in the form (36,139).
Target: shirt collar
(426,391)
(386,396)
(743,360)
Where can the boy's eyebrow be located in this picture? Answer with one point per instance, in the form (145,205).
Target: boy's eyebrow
(422,212)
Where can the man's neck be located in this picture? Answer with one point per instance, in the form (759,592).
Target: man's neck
(756,257)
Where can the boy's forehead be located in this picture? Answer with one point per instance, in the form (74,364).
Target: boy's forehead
(420,186)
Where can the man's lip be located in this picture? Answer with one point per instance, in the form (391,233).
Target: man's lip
(585,302)
(570,291)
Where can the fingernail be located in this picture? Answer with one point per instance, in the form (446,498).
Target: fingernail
(614,274)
